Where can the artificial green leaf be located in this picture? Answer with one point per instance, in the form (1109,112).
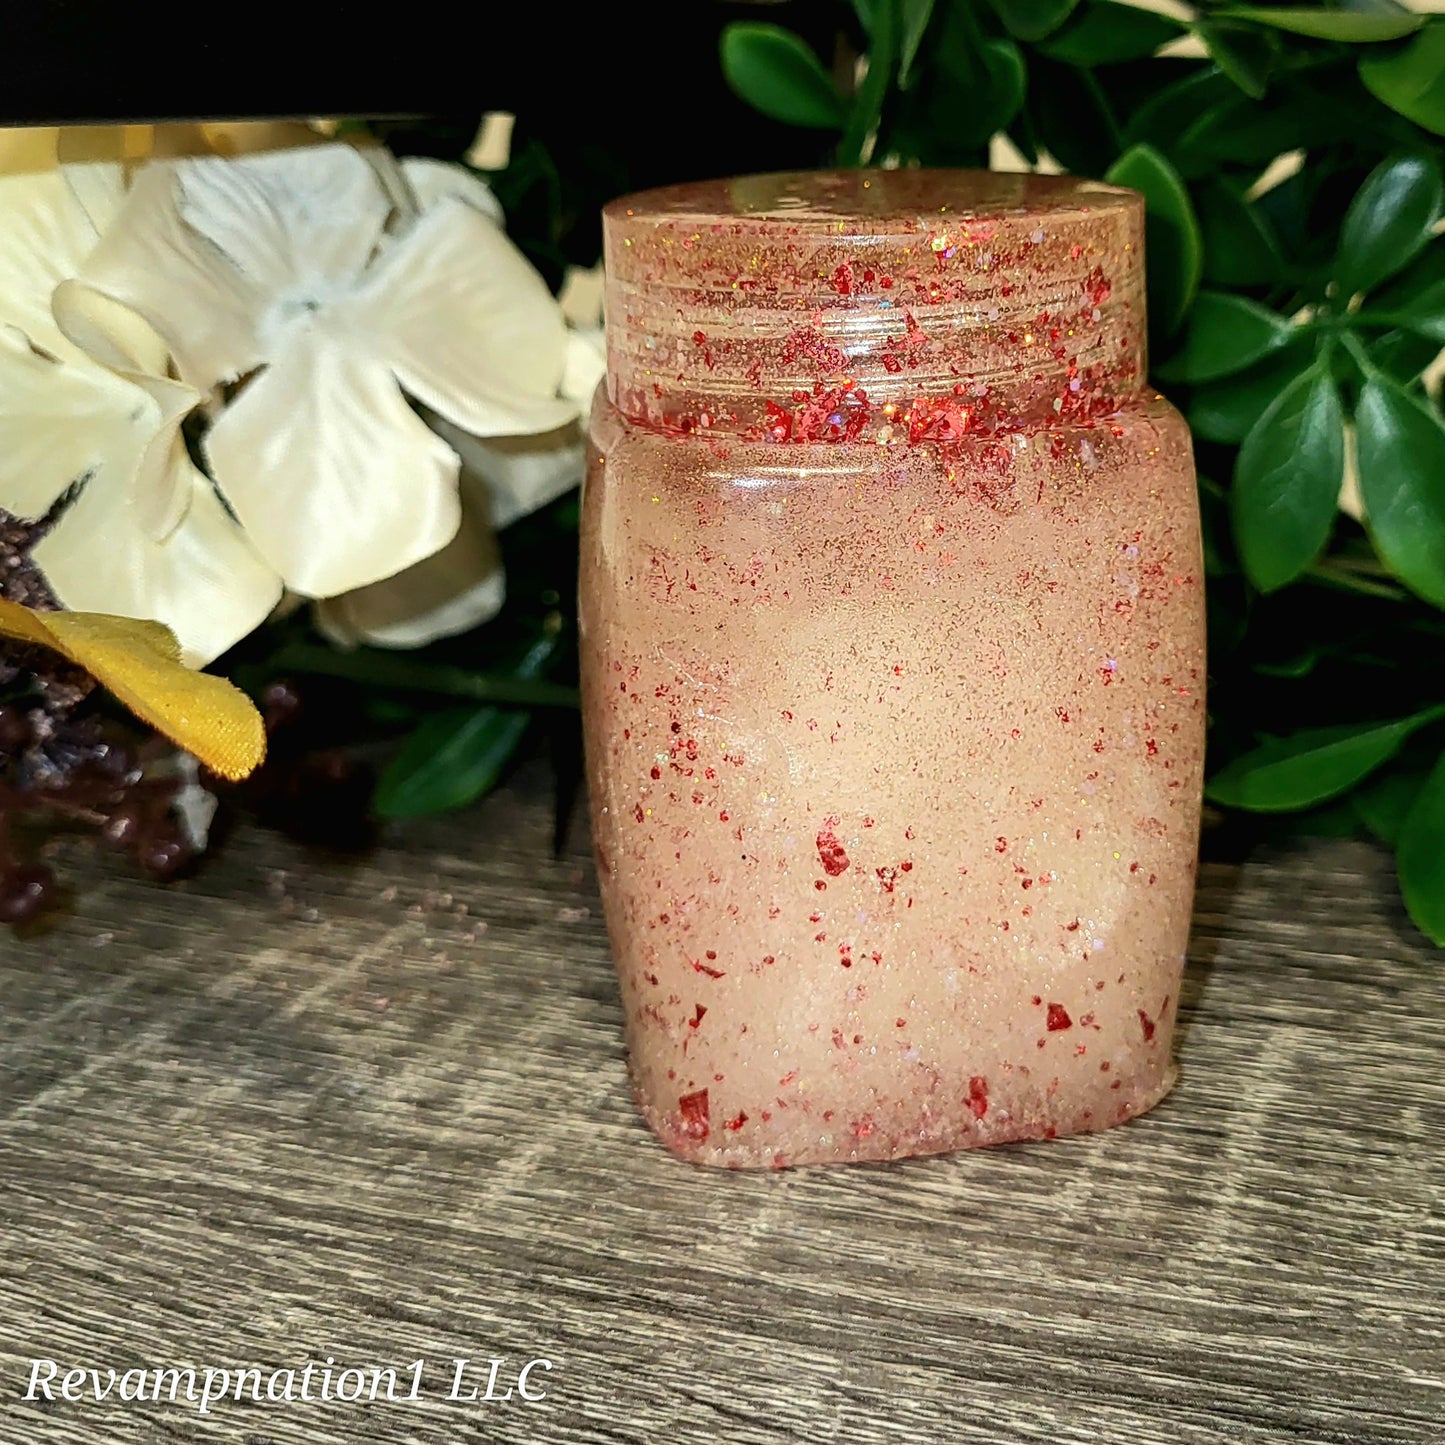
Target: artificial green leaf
(1105,33)
(1214,528)
(408,672)
(1284,775)
(867,107)
(458,754)
(1174,250)
(1352,27)
(1290,210)
(1411,287)
(982,91)
(1388,223)
(1074,117)
(1245,56)
(775,72)
(1244,132)
(1170,112)
(1227,604)
(1225,411)
(449,761)
(916,14)
(1225,334)
(1333,573)
(1287,480)
(1412,301)
(1412,81)
(1033,19)
(1007,81)
(1420,857)
(1334,820)
(1401,449)
(1385,801)
(1300,665)
(1403,354)
(1427,316)
(1240,246)
(867,12)
(389,710)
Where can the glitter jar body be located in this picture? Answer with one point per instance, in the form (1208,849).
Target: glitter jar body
(894,753)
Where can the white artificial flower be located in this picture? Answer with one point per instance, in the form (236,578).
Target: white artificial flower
(280,273)
(503,478)
(144,535)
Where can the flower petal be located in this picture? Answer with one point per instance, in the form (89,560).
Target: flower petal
(126,343)
(206,312)
(466,324)
(335,479)
(212,251)
(581,296)
(109,331)
(451,592)
(60,419)
(99,188)
(286,218)
(509,477)
(586,364)
(205,581)
(45,235)
(90,158)
(432,181)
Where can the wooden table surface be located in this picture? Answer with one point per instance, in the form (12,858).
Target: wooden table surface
(300,1108)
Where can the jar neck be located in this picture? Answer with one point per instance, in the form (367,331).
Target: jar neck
(887,307)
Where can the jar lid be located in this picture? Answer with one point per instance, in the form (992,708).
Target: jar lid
(874,305)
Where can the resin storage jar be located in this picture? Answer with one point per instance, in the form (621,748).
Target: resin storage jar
(893,663)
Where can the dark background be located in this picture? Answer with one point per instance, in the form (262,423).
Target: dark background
(609,98)
(640,81)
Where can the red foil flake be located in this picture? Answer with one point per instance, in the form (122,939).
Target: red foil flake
(697,1017)
(710,972)
(1147,1024)
(978,1096)
(737,1123)
(1059,1018)
(693,1108)
(830,850)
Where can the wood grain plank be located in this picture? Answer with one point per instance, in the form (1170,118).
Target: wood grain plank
(376,1110)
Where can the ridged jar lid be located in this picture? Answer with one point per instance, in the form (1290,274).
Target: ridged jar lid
(874,305)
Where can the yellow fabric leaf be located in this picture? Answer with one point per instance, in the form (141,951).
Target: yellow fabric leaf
(140,662)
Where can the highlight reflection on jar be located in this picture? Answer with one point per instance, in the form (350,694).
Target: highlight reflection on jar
(893,664)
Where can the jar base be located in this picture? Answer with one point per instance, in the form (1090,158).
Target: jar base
(696,1140)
